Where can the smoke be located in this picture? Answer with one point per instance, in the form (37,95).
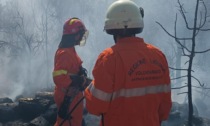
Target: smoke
(27,67)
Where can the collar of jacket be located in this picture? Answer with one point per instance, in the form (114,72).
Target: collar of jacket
(72,49)
(130,39)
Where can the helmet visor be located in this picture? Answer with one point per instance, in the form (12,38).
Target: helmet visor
(84,38)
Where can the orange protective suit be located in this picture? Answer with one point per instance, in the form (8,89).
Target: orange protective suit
(67,62)
(131,85)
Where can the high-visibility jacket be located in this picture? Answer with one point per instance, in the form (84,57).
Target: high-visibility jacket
(131,85)
(67,62)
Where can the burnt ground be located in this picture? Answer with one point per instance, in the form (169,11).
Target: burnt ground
(41,110)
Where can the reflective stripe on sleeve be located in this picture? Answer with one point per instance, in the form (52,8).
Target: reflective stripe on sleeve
(99,93)
(59,72)
(133,92)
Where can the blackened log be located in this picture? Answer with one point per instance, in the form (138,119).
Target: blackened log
(16,123)
(5,100)
(45,95)
(51,114)
(39,121)
(7,112)
(29,108)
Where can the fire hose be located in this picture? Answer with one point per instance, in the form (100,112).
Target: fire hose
(79,83)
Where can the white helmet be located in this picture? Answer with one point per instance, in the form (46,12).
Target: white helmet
(124,14)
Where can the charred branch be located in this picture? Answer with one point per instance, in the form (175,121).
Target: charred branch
(201,87)
(183,12)
(179,87)
(202,51)
(179,69)
(182,93)
(171,34)
(176,38)
(204,94)
(178,77)
(182,46)
(198,81)
(186,62)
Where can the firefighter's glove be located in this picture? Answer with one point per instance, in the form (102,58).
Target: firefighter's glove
(86,83)
(82,72)
(79,82)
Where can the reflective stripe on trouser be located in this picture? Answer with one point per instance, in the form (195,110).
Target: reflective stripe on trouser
(104,96)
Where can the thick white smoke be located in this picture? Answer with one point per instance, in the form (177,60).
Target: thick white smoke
(43,21)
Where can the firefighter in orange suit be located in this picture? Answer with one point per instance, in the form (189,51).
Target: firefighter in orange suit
(131,85)
(66,63)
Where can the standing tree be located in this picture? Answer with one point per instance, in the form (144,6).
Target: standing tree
(188,46)
(47,23)
(19,44)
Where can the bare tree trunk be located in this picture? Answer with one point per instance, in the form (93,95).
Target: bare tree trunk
(190,118)
(190,92)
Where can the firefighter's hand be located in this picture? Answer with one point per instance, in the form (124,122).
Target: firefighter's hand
(80,82)
(86,83)
(82,72)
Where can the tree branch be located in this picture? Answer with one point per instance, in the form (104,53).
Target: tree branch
(171,34)
(204,29)
(202,51)
(179,87)
(205,17)
(186,62)
(201,87)
(197,81)
(178,77)
(202,93)
(182,93)
(182,11)
(179,69)
(182,46)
